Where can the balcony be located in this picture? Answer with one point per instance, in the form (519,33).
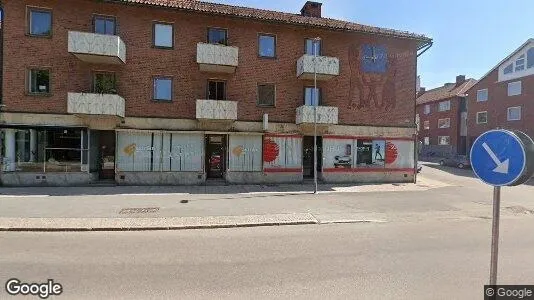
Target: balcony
(327,67)
(325,115)
(217,110)
(97,48)
(217,58)
(95,104)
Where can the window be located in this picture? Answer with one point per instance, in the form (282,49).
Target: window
(39,81)
(426,124)
(444,105)
(509,69)
(217,36)
(514,113)
(105,25)
(514,88)
(267,45)
(163,35)
(530,58)
(312,45)
(482,95)
(163,88)
(40,22)
(444,140)
(444,123)
(216,90)
(520,63)
(312,96)
(266,94)
(427,140)
(482,117)
(104,83)
(427,109)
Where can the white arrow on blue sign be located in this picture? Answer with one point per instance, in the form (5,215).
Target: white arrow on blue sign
(499,158)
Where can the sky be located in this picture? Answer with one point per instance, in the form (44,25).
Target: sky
(470,36)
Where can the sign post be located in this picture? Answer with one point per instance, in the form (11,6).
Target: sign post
(501,158)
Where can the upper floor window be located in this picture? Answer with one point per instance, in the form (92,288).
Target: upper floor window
(426,125)
(267,45)
(163,35)
(509,69)
(444,140)
(427,109)
(104,83)
(444,123)
(482,117)
(530,58)
(311,46)
(39,81)
(482,95)
(266,94)
(520,63)
(163,88)
(444,105)
(514,88)
(105,25)
(514,113)
(40,22)
(216,90)
(312,96)
(218,36)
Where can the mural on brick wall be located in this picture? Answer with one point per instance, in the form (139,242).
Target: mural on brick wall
(372,78)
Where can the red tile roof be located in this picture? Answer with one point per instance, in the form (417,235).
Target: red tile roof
(274,16)
(447,91)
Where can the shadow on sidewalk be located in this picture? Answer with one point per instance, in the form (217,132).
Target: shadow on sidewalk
(453,170)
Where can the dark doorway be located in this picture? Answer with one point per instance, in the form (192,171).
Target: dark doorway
(106,158)
(307,155)
(215,156)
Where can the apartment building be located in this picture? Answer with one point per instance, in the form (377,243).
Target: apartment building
(442,118)
(181,92)
(503,97)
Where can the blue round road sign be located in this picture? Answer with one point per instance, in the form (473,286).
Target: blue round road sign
(499,157)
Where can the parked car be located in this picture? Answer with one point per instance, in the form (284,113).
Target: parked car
(459,161)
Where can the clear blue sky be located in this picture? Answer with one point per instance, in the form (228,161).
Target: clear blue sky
(470,36)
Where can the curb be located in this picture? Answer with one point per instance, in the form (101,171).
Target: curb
(146,224)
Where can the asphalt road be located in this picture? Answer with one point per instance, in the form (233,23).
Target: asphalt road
(432,259)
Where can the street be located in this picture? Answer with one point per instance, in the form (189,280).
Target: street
(431,244)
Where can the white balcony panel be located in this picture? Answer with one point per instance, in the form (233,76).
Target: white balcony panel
(327,67)
(217,58)
(95,104)
(216,110)
(325,115)
(97,48)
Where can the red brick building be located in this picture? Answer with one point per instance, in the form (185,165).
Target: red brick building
(442,115)
(175,92)
(503,98)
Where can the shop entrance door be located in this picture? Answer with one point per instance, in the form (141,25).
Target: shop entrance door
(307,155)
(215,155)
(106,159)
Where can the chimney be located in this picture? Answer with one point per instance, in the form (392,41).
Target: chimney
(460,79)
(311,9)
(421,91)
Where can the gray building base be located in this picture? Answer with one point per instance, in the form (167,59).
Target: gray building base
(368,177)
(262,178)
(160,178)
(47,179)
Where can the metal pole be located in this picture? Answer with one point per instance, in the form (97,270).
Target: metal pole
(495,234)
(315,115)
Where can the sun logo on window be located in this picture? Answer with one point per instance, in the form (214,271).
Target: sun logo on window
(130,149)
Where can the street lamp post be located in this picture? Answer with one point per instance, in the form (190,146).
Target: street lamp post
(315,103)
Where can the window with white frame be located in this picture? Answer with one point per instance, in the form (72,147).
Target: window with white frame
(514,88)
(509,69)
(444,140)
(444,123)
(523,62)
(427,141)
(427,109)
(514,113)
(482,95)
(426,125)
(530,58)
(482,117)
(444,105)
(520,63)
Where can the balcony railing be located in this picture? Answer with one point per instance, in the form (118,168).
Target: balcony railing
(327,67)
(217,110)
(95,104)
(97,48)
(325,115)
(217,58)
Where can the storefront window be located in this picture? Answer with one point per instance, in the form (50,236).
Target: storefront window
(370,153)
